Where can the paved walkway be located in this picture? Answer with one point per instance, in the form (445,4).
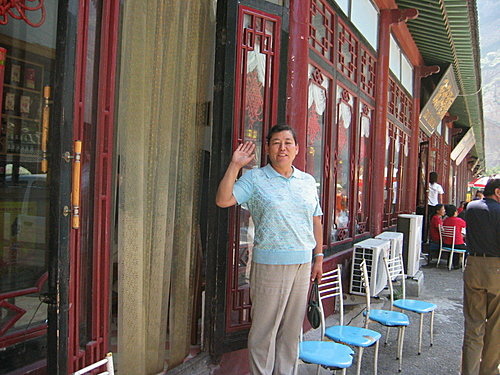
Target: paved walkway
(442,287)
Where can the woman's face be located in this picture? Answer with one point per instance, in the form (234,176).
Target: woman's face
(282,149)
(441,211)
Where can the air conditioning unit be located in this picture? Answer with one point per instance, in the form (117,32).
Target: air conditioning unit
(411,227)
(396,239)
(373,250)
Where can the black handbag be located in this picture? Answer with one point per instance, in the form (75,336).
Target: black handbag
(313,311)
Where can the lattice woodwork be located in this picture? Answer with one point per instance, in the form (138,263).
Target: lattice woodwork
(255,111)
(367,77)
(398,161)
(405,111)
(391,98)
(11,313)
(422,137)
(389,163)
(399,104)
(347,52)
(364,167)
(342,165)
(321,29)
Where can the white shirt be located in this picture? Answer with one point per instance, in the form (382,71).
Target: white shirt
(434,190)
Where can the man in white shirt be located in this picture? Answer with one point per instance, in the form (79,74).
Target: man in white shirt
(435,193)
(434,198)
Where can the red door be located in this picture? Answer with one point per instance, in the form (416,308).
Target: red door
(250,100)
(89,271)
(57,75)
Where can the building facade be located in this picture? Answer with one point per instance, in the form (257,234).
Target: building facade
(119,118)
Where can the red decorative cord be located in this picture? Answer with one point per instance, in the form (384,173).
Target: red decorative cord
(17,9)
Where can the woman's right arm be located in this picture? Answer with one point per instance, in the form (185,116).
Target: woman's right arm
(243,155)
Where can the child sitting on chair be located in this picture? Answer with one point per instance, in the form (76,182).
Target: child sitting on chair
(453,220)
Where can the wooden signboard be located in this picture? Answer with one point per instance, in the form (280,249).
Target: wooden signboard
(440,101)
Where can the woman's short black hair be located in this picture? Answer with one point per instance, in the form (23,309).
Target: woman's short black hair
(450,210)
(493,183)
(281,128)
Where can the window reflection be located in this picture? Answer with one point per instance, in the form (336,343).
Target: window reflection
(364,16)
(316,122)
(345,103)
(27,55)
(363,169)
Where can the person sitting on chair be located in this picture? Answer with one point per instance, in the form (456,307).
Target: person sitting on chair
(461,215)
(436,221)
(453,220)
(461,207)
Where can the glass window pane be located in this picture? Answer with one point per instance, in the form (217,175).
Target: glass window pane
(257,45)
(438,128)
(389,149)
(316,121)
(395,173)
(345,119)
(395,58)
(256,65)
(27,62)
(364,15)
(364,169)
(407,74)
(344,5)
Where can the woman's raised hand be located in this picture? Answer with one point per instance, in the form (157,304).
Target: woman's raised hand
(244,154)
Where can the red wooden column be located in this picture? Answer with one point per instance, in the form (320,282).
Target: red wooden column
(420,72)
(388,17)
(296,103)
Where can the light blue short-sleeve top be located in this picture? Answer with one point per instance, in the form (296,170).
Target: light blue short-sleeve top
(282,210)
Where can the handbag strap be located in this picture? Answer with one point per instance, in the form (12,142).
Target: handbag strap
(314,296)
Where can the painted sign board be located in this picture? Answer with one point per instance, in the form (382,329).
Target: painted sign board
(440,101)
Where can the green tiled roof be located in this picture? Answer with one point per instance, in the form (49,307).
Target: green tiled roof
(446,32)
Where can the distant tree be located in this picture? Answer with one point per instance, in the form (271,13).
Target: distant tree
(493,170)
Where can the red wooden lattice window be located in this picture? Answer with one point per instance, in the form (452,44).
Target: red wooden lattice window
(343,172)
(324,25)
(434,147)
(317,155)
(364,175)
(399,104)
(346,203)
(367,73)
(347,52)
(404,146)
(256,92)
(422,137)
(321,29)
(397,150)
(442,165)
(391,98)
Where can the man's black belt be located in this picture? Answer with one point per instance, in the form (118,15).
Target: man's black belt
(483,255)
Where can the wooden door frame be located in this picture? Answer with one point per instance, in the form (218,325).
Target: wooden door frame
(218,339)
(98,344)
(59,143)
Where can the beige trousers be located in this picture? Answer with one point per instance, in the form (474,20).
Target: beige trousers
(481,347)
(279,298)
